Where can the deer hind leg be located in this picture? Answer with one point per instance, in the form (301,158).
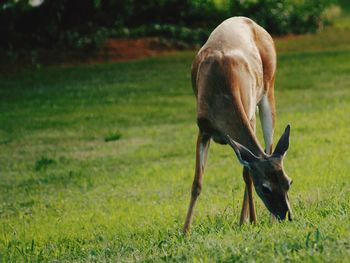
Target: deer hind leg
(267,118)
(203,142)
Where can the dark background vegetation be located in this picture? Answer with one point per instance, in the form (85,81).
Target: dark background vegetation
(85,24)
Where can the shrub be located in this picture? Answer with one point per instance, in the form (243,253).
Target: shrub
(169,31)
(284,16)
(85,41)
(84,24)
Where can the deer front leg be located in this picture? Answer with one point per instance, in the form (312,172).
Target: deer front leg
(201,159)
(248,208)
(248,200)
(245,208)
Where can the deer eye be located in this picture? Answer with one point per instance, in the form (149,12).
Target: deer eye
(265,189)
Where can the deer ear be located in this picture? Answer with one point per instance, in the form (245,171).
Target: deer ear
(244,155)
(283,143)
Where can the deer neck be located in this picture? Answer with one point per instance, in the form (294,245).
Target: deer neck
(248,138)
(231,118)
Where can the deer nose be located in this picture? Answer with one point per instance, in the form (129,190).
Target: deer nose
(282,216)
(285,211)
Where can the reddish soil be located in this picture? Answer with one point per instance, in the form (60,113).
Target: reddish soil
(113,50)
(126,49)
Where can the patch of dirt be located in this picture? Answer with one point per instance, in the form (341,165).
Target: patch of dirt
(126,49)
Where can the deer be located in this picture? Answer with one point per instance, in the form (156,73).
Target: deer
(233,76)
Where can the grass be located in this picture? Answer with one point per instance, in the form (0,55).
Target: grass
(67,195)
(113,137)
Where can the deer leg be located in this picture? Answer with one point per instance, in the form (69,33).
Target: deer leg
(248,207)
(248,196)
(201,158)
(267,118)
(245,207)
(248,192)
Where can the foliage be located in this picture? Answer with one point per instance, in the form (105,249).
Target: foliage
(284,16)
(180,12)
(168,31)
(88,41)
(56,23)
(126,201)
(47,25)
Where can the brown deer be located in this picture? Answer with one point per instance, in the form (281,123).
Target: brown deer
(232,75)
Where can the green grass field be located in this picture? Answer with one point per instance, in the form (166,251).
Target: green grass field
(96,163)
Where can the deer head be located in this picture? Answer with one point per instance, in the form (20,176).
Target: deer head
(269,178)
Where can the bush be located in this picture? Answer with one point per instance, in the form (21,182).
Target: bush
(169,31)
(85,41)
(85,24)
(192,13)
(284,16)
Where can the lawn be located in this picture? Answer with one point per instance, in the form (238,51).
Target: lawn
(97,161)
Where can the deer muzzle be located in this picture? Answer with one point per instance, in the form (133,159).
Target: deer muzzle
(286,211)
